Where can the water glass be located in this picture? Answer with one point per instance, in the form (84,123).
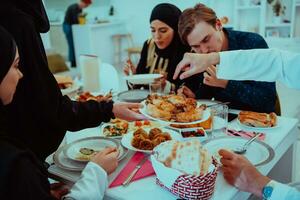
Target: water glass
(219,113)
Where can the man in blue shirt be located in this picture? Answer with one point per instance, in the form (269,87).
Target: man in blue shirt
(200,28)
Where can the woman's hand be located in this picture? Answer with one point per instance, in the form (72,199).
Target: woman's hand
(58,190)
(129,68)
(125,111)
(187,92)
(107,159)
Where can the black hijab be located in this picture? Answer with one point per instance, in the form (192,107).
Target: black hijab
(7,52)
(169,14)
(33,8)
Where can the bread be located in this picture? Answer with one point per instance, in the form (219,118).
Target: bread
(186,156)
(63,81)
(256,119)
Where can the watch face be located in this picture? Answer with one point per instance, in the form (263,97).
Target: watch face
(267,192)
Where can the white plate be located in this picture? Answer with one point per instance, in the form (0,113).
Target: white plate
(136,95)
(63,162)
(126,140)
(258,153)
(143,110)
(244,126)
(72,152)
(71,89)
(142,78)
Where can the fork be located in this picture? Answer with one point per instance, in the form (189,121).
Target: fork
(243,149)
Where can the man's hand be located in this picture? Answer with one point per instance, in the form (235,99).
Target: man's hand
(187,92)
(239,172)
(193,63)
(210,78)
(125,111)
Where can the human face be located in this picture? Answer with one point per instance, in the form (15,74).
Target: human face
(161,33)
(10,81)
(205,38)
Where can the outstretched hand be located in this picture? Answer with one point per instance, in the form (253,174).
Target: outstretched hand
(193,63)
(126,111)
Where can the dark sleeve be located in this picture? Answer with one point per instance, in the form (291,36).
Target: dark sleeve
(79,115)
(260,96)
(26,181)
(141,67)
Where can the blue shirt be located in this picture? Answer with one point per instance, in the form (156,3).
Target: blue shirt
(244,95)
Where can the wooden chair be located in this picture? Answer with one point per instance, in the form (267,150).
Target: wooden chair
(131,50)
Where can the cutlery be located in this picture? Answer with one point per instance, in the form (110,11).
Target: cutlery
(245,146)
(136,169)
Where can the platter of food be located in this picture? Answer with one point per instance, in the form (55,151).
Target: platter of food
(144,140)
(258,121)
(87,96)
(174,109)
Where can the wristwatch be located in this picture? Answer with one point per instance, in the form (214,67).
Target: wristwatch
(268,190)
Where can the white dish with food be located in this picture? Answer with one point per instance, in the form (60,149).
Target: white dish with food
(127,139)
(82,150)
(144,111)
(142,79)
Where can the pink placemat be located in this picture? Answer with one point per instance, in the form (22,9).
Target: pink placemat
(245,134)
(145,171)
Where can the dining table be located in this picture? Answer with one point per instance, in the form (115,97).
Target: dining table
(281,168)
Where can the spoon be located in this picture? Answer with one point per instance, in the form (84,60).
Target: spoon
(243,149)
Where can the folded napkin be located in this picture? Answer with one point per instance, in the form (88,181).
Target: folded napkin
(244,134)
(144,171)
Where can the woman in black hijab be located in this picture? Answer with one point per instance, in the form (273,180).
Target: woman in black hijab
(22,175)
(162,52)
(43,115)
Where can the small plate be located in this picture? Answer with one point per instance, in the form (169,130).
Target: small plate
(126,140)
(142,79)
(143,110)
(134,96)
(102,131)
(256,128)
(72,150)
(63,162)
(258,153)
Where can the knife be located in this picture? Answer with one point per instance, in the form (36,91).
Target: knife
(136,169)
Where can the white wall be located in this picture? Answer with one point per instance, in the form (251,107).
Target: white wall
(136,14)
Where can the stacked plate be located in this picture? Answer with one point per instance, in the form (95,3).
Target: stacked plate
(71,156)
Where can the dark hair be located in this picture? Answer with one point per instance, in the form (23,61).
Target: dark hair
(192,16)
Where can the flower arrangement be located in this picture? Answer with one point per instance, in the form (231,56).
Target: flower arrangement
(278,7)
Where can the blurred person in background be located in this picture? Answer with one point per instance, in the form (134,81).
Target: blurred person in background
(72,17)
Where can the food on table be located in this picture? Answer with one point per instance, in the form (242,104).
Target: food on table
(86,96)
(64,82)
(147,141)
(118,127)
(174,108)
(188,157)
(207,124)
(256,119)
(86,154)
(199,132)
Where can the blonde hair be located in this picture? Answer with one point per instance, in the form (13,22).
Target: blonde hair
(192,16)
